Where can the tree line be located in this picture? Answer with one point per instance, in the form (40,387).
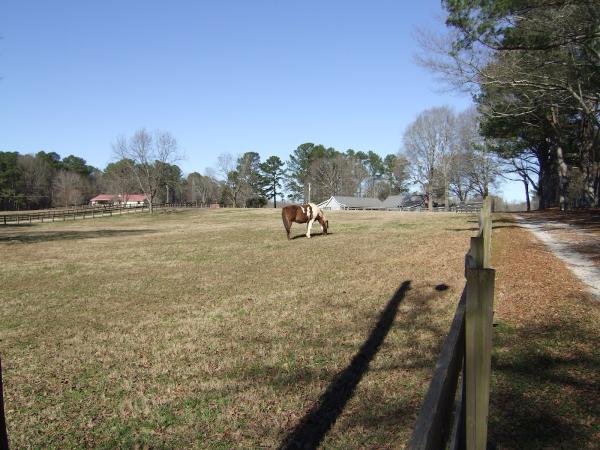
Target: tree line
(533,68)
(442,155)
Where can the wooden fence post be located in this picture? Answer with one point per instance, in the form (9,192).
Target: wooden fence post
(3,432)
(478,348)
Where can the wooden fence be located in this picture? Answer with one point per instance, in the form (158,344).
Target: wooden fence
(59,215)
(454,414)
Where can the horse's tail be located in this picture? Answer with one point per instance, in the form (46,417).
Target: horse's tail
(286,221)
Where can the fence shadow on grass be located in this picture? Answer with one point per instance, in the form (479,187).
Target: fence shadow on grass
(317,422)
(32,238)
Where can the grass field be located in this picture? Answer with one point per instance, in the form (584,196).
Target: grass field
(208,328)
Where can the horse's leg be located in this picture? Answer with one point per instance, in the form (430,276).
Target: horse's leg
(308,227)
(287,224)
(321,223)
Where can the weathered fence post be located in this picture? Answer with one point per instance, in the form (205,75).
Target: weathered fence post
(3,432)
(478,332)
(478,347)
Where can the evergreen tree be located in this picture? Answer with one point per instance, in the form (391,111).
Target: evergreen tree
(272,174)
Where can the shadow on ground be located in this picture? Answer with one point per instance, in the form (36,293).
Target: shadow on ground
(543,396)
(312,235)
(585,219)
(31,238)
(317,421)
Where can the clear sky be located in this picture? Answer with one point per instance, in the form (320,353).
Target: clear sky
(221,76)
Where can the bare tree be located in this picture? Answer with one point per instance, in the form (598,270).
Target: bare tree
(482,165)
(202,188)
(226,162)
(69,188)
(148,157)
(37,176)
(429,147)
(523,167)
(461,183)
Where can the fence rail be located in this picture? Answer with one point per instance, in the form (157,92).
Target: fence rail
(89,212)
(445,416)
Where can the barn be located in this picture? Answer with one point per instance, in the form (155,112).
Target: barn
(102,199)
(127,200)
(338,202)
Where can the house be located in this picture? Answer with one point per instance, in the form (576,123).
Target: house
(126,200)
(394,202)
(102,199)
(338,202)
(130,200)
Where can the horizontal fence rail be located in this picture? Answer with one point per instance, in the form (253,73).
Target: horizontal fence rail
(460,421)
(435,420)
(90,212)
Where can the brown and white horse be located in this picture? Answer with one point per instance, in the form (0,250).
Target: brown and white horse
(303,214)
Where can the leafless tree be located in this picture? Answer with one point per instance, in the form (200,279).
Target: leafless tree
(461,183)
(480,162)
(523,167)
(148,157)
(429,147)
(69,188)
(203,189)
(37,175)
(335,175)
(225,163)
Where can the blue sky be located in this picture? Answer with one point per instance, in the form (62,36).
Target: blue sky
(221,76)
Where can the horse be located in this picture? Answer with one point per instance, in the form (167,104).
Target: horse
(303,214)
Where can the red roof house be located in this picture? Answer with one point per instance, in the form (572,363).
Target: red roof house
(121,199)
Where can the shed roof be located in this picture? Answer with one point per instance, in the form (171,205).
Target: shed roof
(103,198)
(134,197)
(359,202)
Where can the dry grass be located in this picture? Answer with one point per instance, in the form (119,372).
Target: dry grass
(546,363)
(209,328)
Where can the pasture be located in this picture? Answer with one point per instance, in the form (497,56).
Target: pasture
(208,328)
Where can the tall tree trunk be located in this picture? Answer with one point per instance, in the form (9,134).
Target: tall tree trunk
(562,178)
(596,183)
(429,199)
(446,196)
(526,183)
(561,165)
(274,194)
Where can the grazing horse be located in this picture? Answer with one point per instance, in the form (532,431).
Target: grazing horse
(303,214)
